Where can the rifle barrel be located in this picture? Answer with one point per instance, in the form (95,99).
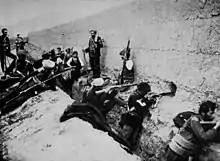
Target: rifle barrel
(22,92)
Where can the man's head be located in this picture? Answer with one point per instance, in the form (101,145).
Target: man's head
(59,49)
(75,55)
(4,32)
(143,88)
(207,110)
(18,35)
(93,33)
(68,50)
(53,52)
(97,83)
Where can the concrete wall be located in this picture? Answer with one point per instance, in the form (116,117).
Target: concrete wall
(166,38)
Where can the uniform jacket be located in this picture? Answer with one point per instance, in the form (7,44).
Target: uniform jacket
(94,47)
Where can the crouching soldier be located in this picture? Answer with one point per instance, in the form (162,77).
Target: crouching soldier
(24,67)
(131,122)
(191,138)
(103,99)
(46,69)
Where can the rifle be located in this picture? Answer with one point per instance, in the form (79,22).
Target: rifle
(123,86)
(32,87)
(125,52)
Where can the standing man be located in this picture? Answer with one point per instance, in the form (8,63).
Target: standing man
(5,50)
(95,45)
(19,43)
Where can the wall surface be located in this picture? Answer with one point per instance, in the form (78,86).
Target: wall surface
(168,41)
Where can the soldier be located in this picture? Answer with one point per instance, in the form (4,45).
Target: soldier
(19,42)
(5,50)
(53,55)
(59,50)
(92,95)
(131,122)
(127,74)
(191,138)
(95,45)
(24,67)
(67,55)
(76,62)
(46,68)
(101,98)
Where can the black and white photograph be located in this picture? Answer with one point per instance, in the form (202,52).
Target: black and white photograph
(110,80)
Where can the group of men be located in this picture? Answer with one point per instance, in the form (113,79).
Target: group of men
(190,140)
(185,145)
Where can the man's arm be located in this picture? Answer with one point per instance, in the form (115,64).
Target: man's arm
(199,131)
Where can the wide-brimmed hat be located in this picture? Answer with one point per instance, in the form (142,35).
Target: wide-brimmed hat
(98,82)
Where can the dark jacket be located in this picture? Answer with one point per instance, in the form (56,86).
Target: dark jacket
(4,44)
(76,64)
(194,132)
(190,139)
(141,104)
(94,47)
(90,96)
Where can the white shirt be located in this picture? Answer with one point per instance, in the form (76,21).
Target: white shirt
(59,60)
(71,59)
(129,64)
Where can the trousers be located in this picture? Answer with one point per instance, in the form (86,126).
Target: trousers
(95,65)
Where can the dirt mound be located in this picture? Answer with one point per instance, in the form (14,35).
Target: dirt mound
(34,133)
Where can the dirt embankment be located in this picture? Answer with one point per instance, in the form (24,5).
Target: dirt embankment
(34,133)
